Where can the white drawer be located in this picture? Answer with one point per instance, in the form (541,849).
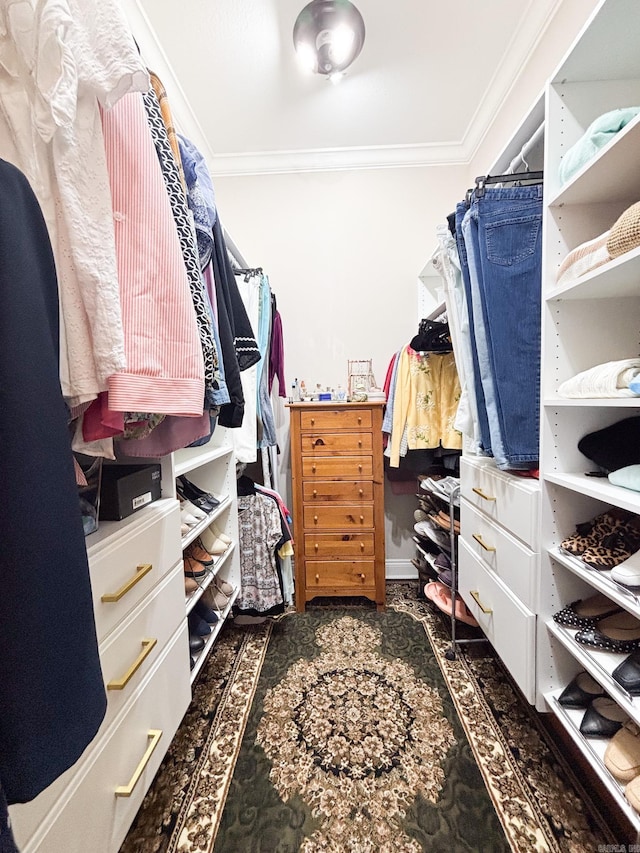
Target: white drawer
(118,563)
(89,816)
(509,626)
(133,648)
(510,501)
(514,563)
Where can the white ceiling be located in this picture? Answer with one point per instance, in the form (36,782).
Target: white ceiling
(425,88)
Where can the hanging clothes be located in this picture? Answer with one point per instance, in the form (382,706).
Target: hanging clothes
(260,534)
(245,439)
(52,696)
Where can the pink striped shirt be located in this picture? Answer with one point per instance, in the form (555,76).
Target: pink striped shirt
(165,369)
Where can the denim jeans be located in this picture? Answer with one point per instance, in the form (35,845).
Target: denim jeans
(476,385)
(508,228)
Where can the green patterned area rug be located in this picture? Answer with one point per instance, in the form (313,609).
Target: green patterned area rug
(335,730)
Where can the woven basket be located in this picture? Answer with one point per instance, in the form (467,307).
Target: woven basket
(625,232)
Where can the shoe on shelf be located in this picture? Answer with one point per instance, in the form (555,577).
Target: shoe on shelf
(627,674)
(212,543)
(224,586)
(205,612)
(589,534)
(188,519)
(428,530)
(193,493)
(622,755)
(184,529)
(603,718)
(580,692)
(196,643)
(190,585)
(218,600)
(197,625)
(198,553)
(443,599)
(617,633)
(628,572)
(194,569)
(584,613)
(220,534)
(192,509)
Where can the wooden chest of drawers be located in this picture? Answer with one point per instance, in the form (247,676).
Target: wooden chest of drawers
(338,500)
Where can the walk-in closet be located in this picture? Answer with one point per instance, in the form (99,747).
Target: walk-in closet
(319,426)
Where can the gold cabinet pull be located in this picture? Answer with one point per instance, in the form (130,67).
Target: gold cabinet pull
(313,421)
(317,578)
(360,468)
(476,597)
(362,546)
(482,494)
(315,493)
(315,519)
(316,546)
(154,736)
(363,576)
(362,519)
(482,543)
(360,492)
(313,468)
(141,571)
(359,442)
(359,421)
(121,683)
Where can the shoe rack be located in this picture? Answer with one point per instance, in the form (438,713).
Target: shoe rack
(212,469)
(590,321)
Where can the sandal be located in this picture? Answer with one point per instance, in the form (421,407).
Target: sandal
(584,613)
(617,633)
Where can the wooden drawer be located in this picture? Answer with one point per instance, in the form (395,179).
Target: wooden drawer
(510,501)
(336,442)
(335,419)
(337,490)
(342,467)
(141,639)
(510,627)
(335,574)
(343,517)
(118,564)
(86,815)
(514,563)
(339,544)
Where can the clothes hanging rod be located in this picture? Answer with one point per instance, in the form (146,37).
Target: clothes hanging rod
(526,149)
(234,250)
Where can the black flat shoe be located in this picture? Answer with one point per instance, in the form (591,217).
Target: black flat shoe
(602,718)
(617,633)
(580,692)
(584,613)
(627,674)
(195,493)
(195,643)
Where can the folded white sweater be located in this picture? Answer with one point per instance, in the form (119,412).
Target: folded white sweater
(604,380)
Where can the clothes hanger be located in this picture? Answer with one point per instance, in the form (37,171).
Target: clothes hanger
(432,336)
(483,180)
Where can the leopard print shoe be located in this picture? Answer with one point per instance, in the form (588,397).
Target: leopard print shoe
(590,534)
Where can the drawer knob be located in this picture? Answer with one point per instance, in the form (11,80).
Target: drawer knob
(362,546)
(361,492)
(313,420)
(359,442)
(315,519)
(141,571)
(482,494)
(153,736)
(313,468)
(121,683)
(363,576)
(362,519)
(482,543)
(476,597)
(316,546)
(315,493)
(359,421)
(317,578)
(360,468)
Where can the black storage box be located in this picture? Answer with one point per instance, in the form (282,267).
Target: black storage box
(127,488)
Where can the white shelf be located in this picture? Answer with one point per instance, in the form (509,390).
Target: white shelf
(196,595)
(201,526)
(590,402)
(212,637)
(624,596)
(608,176)
(597,487)
(593,750)
(195,457)
(619,278)
(599,664)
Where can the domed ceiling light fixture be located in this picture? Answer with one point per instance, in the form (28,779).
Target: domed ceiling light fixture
(328,35)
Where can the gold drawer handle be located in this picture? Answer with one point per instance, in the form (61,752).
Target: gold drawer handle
(476,597)
(482,494)
(154,736)
(482,543)
(121,683)
(141,571)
